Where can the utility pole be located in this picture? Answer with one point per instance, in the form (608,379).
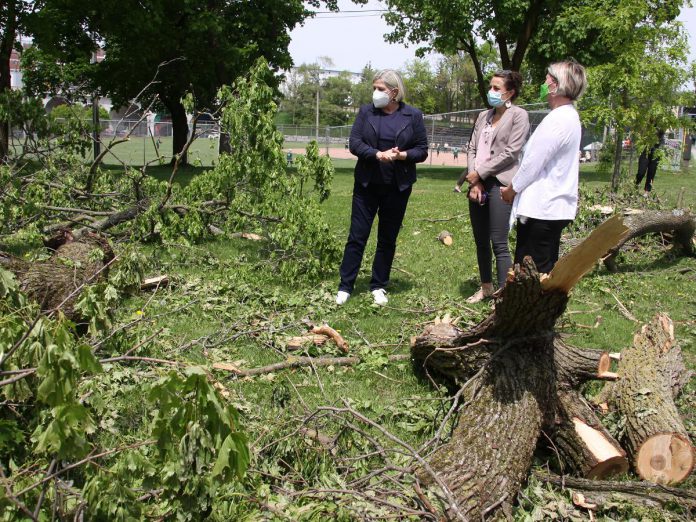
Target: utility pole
(317,116)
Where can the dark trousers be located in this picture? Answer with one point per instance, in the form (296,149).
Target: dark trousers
(490,224)
(647,167)
(541,239)
(387,202)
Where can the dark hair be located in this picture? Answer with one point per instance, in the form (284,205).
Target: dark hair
(512,79)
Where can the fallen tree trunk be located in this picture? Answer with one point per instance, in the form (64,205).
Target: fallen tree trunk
(514,394)
(655,434)
(680,223)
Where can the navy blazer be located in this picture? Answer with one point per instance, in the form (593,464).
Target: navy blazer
(411,137)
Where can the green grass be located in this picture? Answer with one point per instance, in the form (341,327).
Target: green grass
(226,286)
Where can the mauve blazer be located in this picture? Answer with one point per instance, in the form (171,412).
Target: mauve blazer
(509,136)
(411,137)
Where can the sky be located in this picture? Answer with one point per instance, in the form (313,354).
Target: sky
(353,39)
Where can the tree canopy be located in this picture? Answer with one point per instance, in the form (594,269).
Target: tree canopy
(190,47)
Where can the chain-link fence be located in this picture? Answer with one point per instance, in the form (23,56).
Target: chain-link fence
(150,142)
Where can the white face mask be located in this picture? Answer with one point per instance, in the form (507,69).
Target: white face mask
(380,99)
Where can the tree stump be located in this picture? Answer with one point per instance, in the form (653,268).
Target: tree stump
(445,237)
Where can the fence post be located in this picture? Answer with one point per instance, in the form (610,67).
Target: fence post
(432,139)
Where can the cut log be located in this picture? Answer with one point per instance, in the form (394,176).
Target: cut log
(584,445)
(445,238)
(154,282)
(680,223)
(575,366)
(655,436)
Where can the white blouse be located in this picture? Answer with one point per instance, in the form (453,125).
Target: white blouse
(547,180)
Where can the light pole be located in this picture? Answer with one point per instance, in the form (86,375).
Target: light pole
(317,111)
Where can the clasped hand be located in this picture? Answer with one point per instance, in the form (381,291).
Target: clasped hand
(392,154)
(508,194)
(476,191)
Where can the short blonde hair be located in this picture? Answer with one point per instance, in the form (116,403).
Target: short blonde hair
(570,77)
(392,79)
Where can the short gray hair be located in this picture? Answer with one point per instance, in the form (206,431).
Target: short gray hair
(392,79)
(570,77)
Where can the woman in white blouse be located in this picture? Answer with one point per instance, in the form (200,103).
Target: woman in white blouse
(545,187)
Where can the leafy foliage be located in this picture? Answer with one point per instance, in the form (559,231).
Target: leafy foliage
(196,434)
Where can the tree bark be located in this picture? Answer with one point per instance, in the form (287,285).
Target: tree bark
(469,47)
(507,403)
(514,392)
(6,44)
(681,223)
(490,452)
(655,435)
(531,19)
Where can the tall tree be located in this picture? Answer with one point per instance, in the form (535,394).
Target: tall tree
(640,87)
(193,46)
(459,25)
(12,18)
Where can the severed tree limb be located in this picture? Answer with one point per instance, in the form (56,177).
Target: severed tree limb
(680,222)
(299,362)
(583,444)
(571,267)
(325,329)
(603,491)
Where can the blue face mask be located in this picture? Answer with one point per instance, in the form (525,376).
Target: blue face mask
(495,98)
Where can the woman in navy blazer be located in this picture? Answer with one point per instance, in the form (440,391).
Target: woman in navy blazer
(389,138)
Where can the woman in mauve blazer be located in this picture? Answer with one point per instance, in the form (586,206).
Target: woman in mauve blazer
(389,138)
(493,157)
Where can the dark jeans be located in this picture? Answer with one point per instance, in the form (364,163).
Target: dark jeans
(387,202)
(647,164)
(541,239)
(490,223)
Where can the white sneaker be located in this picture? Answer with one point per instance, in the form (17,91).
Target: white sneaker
(380,296)
(342,297)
